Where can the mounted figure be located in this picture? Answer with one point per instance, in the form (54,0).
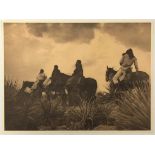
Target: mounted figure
(127,60)
(124,78)
(41,77)
(77,76)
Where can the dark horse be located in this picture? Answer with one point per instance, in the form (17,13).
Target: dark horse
(22,95)
(131,80)
(86,89)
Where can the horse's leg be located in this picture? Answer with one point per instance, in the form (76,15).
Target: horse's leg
(64,99)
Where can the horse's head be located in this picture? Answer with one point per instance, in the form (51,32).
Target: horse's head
(110,72)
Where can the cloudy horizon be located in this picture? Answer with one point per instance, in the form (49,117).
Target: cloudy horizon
(31,46)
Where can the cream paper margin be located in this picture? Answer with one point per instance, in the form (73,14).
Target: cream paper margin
(110,132)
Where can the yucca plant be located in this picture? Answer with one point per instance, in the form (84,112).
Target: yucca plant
(88,114)
(81,116)
(104,112)
(134,111)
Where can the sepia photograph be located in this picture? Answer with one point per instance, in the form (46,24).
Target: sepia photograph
(77,76)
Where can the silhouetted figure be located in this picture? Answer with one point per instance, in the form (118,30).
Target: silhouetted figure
(78,69)
(127,60)
(55,73)
(76,76)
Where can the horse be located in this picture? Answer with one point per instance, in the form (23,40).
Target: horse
(23,96)
(85,90)
(131,80)
(57,87)
(27,84)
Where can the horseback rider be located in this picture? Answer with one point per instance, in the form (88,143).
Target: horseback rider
(55,72)
(127,60)
(56,77)
(78,69)
(77,75)
(40,79)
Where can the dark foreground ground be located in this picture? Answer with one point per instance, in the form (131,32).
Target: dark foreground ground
(129,111)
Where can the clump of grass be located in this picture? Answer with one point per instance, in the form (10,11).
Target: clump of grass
(134,111)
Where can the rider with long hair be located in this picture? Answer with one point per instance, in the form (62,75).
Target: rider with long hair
(127,60)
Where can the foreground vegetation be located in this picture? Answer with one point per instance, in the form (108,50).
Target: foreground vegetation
(130,110)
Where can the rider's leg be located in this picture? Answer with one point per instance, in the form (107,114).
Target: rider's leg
(121,78)
(117,75)
(34,86)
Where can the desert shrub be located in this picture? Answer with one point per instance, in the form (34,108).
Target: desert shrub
(103,113)
(105,106)
(134,110)
(53,113)
(88,115)
(81,116)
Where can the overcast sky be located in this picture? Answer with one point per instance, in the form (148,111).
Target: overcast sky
(30,47)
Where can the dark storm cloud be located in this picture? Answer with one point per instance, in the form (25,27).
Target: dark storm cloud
(131,34)
(81,32)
